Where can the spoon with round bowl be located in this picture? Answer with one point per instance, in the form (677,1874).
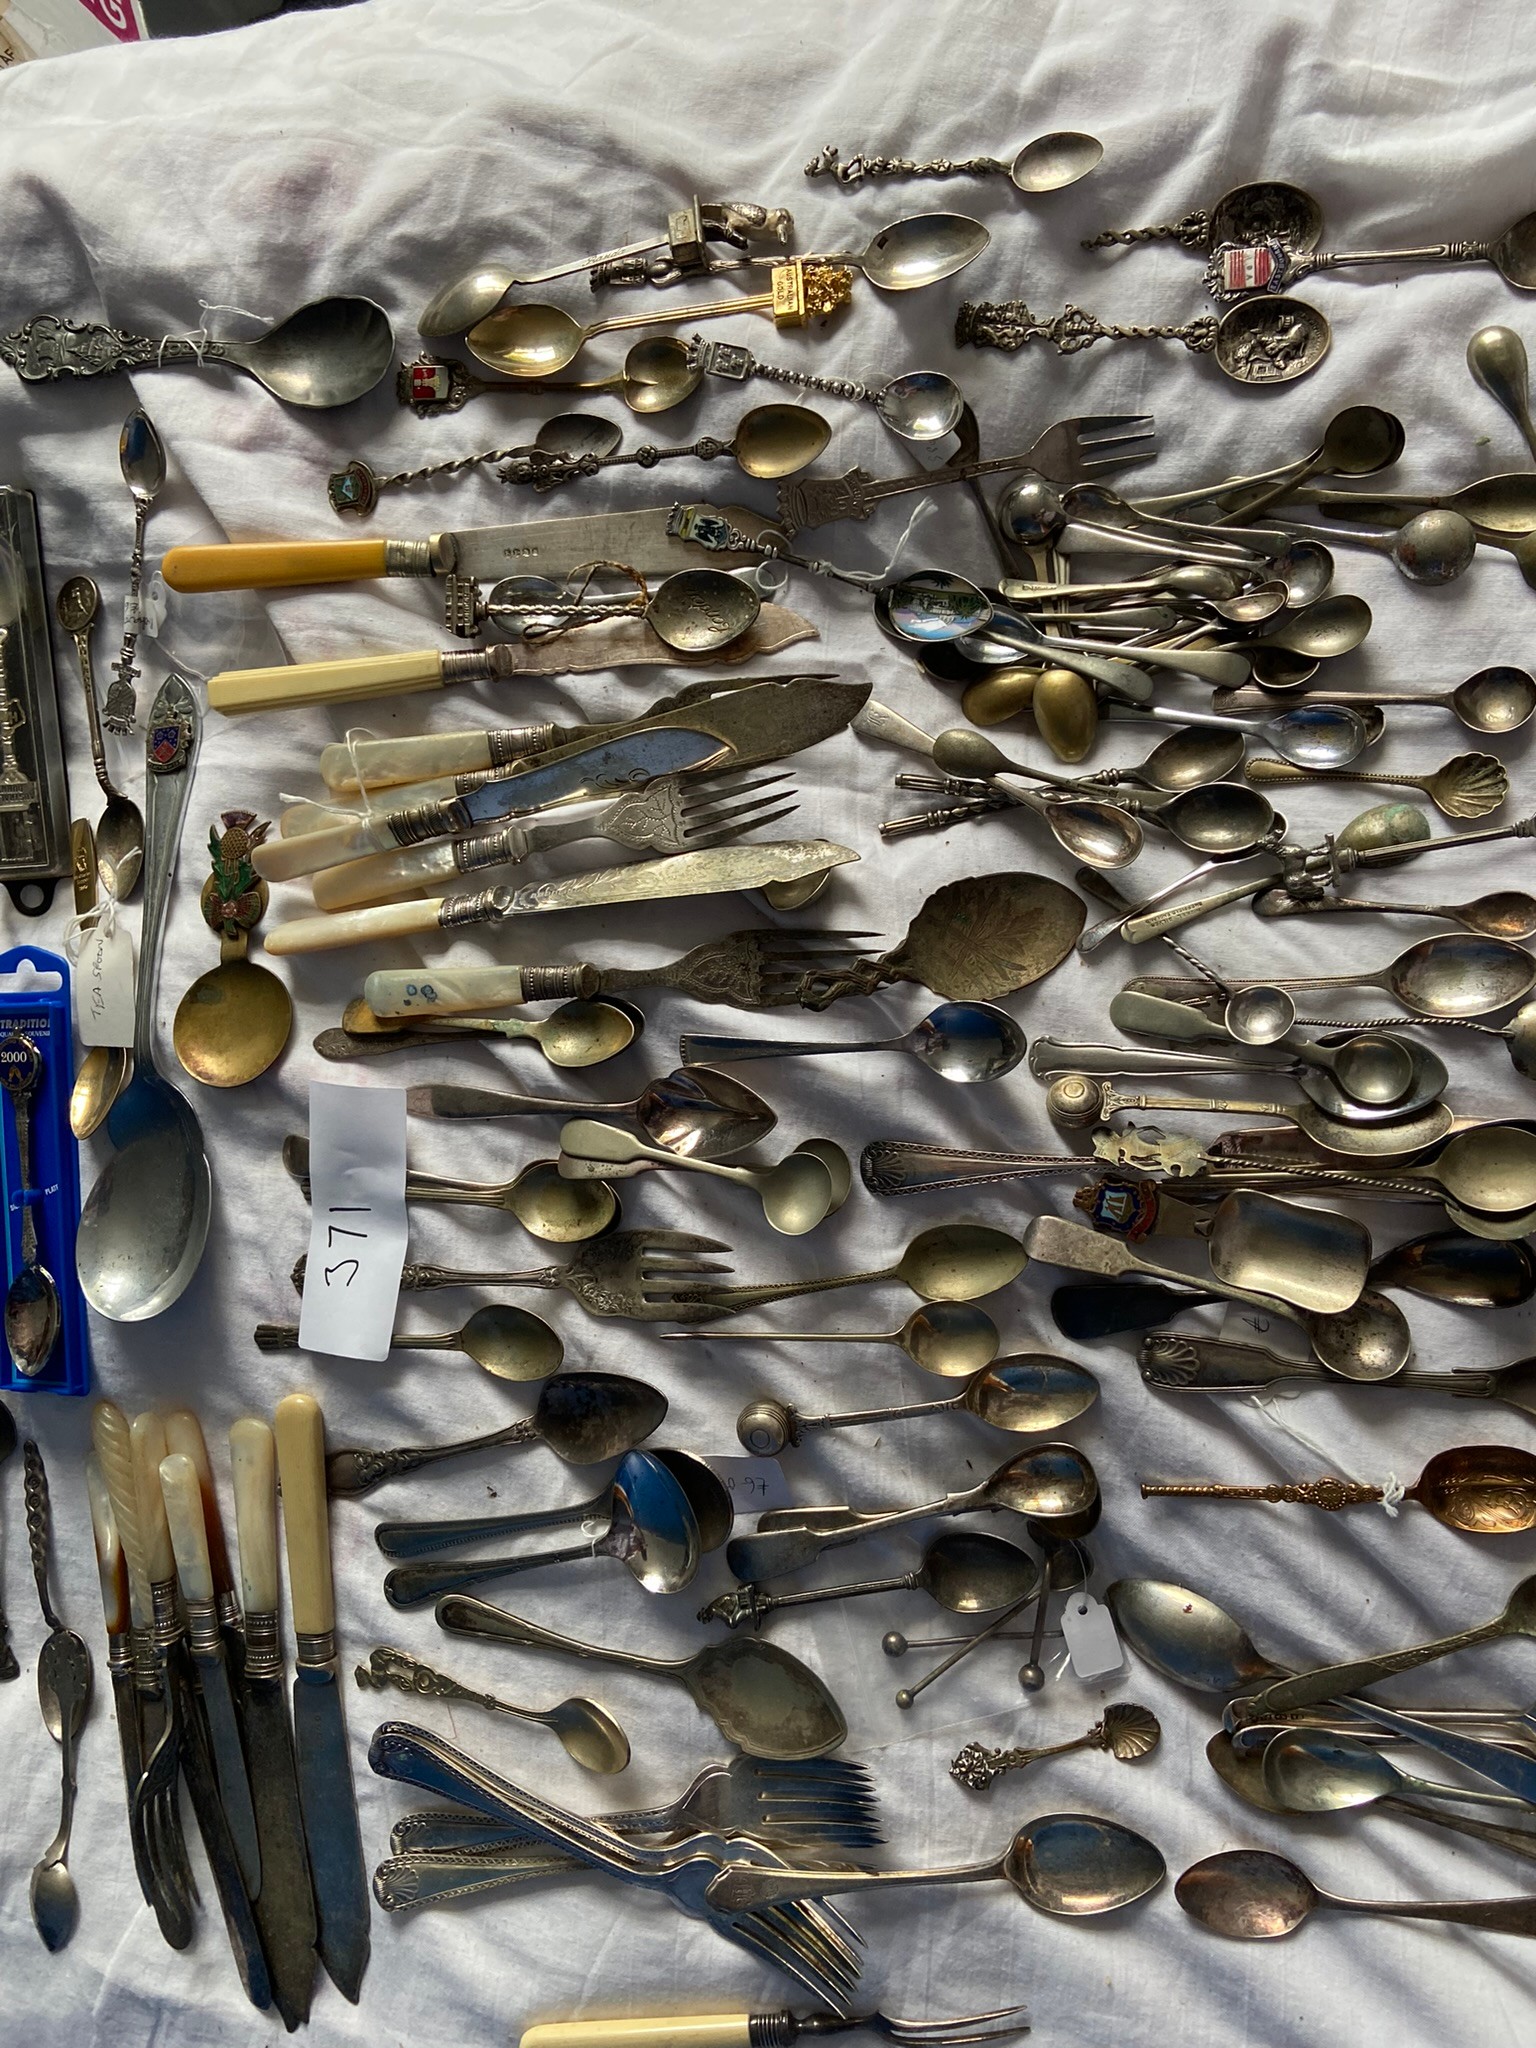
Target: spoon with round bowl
(1310,734)
(1024,1395)
(796,1194)
(1372,1067)
(327,353)
(1317,1771)
(954,1339)
(964,1042)
(544,1203)
(1477,1489)
(1493,701)
(33,1310)
(577,1034)
(1357,441)
(587,1733)
(506,1341)
(1432,547)
(1048,164)
(962,1571)
(1102,834)
(1496,357)
(1501,914)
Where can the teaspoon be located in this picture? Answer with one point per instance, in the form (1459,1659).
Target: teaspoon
(577,1034)
(509,1342)
(1495,700)
(1466,786)
(967,1042)
(1312,735)
(1496,505)
(1317,1771)
(33,1312)
(1032,1392)
(963,1571)
(1432,547)
(547,1206)
(953,1339)
(1501,914)
(1478,1489)
(1100,833)
(1254,1895)
(694,1112)
(797,1193)
(587,1733)
(119,831)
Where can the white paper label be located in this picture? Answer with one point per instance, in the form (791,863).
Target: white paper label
(1242,1324)
(104,985)
(1089,1630)
(357,1231)
(754,1484)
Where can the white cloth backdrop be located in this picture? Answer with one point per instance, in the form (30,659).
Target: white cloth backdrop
(381,149)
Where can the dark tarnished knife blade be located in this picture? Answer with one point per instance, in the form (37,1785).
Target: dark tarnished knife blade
(285,1906)
(330,1828)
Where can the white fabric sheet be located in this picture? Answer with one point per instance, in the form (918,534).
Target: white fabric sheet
(383,148)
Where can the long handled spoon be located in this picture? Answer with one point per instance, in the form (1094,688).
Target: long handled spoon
(963,1571)
(1466,786)
(951,1338)
(1480,1489)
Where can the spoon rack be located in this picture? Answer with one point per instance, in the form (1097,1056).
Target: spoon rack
(34,999)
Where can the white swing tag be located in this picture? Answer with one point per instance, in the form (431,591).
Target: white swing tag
(104,985)
(1089,1630)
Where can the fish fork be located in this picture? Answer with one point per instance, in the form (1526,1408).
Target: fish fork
(793,1805)
(813,1944)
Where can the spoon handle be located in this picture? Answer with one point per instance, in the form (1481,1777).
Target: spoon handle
(389,1667)
(1497,1916)
(412,1585)
(35,1494)
(893,1167)
(1328,1494)
(977,1766)
(706,1048)
(479,1619)
(731,1299)
(352,1473)
(1153,924)
(1330,1680)
(173,735)
(1519,1842)
(419,1539)
(1511,1770)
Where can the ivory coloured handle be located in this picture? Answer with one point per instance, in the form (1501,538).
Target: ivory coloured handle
(699,2030)
(183,1498)
(383,762)
(253,1466)
(184,1433)
(268,565)
(461,991)
(234,690)
(354,927)
(284,860)
(148,1436)
(300,1431)
(113,1439)
(111,1566)
(382,876)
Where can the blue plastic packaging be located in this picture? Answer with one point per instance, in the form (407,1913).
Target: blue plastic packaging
(42,1012)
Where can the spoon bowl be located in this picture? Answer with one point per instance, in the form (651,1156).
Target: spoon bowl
(700,611)
(967,1572)
(932,606)
(145,1221)
(777,440)
(1186,1637)
(99,1080)
(1052,162)
(1247,1894)
(920,250)
(797,1194)
(327,353)
(232,1023)
(465,303)
(922,405)
(1455,1267)
(1073,1865)
(589,1735)
(511,1344)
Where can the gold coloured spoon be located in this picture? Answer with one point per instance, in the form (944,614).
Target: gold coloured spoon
(103,1072)
(233,1021)
(1479,1489)
(548,1207)
(509,1342)
(577,1034)
(530,340)
(587,1733)
(1465,786)
(950,1262)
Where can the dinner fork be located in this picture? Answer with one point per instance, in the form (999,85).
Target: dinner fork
(812,1943)
(1092,444)
(793,1805)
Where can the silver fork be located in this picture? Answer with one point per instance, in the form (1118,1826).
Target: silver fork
(792,1804)
(1092,444)
(812,1943)
(673,814)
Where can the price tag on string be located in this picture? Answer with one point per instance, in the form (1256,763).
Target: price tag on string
(754,1484)
(1088,1628)
(357,1231)
(103,985)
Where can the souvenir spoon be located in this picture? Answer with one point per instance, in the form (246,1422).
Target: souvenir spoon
(1070,1865)
(1370,1341)
(509,1342)
(1047,164)
(1501,914)
(1450,1266)
(953,1339)
(33,1311)
(141,458)
(1124,1730)
(693,611)
(587,1733)
(9,1668)
(966,1042)
(796,1194)
(1050,1483)
(145,1221)
(695,1112)
(658,374)
(1321,735)
(1029,1393)
(1315,1771)
(327,353)
(919,405)
(770,441)
(570,437)
(119,831)
(963,1571)
(1254,1895)
(585,1418)
(651,1531)
(762,1700)
(1495,700)
(1496,357)
(918,250)
(1496,505)
(531,340)
(1260,210)
(932,606)
(1480,1489)
(950,1262)
(577,1034)
(103,1070)
(1466,786)
(234,1021)
(1259,342)
(548,1207)
(1272,266)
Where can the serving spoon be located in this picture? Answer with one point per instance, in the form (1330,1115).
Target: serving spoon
(1031,1392)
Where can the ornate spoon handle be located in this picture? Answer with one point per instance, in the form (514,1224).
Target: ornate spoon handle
(35,1493)
(1328,1494)
(46,348)
(351,1473)
(830,163)
(1192,232)
(1009,324)
(977,1766)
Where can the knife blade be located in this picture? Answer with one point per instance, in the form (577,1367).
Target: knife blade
(713,871)
(112,1570)
(285,1909)
(583,770)
(326,1791)
(182,1490)
(545,547)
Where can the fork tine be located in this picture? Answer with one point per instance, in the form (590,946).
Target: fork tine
(676,1240)
(776,786)
(705,789)
(751,1931)
(813,1934)
(701,840)
(981,2026)
(1110,423)
(741,817)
